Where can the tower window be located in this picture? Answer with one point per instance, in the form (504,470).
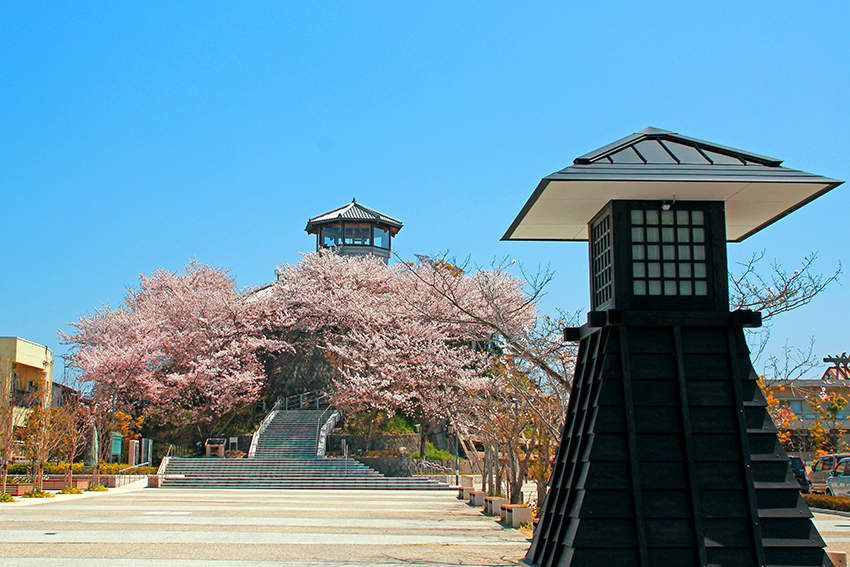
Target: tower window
(683,235)
(331,236)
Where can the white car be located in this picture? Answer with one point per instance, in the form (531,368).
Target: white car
(838,484)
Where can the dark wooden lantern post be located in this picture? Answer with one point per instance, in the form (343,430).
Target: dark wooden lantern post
(668,455)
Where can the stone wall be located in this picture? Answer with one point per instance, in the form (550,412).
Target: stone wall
(390,466)
(378,443)
(405,466)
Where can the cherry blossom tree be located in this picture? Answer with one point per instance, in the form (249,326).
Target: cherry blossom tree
(182,346)
(389,356)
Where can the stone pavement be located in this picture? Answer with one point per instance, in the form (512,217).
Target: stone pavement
(234,528)
(834,528)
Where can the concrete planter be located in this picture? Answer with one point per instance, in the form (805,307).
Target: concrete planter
(55,484)
(18,489)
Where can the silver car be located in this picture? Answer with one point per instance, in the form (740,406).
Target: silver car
(822,469)
(838,484)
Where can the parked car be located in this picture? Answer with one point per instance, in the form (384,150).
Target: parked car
(839,483)
(822,469)
(799,468)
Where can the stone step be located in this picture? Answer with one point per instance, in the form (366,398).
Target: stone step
(285,457)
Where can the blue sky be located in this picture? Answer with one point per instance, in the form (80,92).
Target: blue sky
(134,136)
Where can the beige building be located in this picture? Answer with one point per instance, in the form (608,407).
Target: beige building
(26,375)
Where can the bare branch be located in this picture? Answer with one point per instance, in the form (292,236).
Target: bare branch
(778,291)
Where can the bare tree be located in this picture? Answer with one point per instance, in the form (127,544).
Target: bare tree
(7,417)
(776,291)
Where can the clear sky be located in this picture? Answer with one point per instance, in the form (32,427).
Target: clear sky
(138,135)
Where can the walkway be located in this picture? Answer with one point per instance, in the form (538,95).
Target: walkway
(230,528)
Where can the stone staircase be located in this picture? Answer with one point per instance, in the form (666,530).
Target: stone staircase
(285,457)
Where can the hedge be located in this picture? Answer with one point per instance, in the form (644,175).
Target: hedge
(840,503)
(79,468)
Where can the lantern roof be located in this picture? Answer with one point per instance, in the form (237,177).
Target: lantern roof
(353,212)
(660,165)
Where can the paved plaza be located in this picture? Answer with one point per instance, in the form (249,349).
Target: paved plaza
(133,526)
(230,528)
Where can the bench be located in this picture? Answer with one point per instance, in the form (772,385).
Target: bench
(463,492)
(516,514)
(492,504)
(476,497)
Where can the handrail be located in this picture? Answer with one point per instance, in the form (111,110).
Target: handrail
(145,464)
(319,426)
(163,465)
(322,435)
(304,400)
(263,425)
(434,466)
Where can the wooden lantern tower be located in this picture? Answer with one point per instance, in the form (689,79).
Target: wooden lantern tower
(668,457)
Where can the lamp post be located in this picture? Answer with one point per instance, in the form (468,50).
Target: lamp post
(668,455)
(452,431)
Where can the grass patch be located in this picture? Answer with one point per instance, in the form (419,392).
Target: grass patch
(70,490)
(6,497)
(96,488)
(840,503)
(36,493)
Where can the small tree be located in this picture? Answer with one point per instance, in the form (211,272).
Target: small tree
(782,415)
(44,433)
(827,429)
(7,418)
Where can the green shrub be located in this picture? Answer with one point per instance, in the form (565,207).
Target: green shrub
(19,468)
(397,424)
(6,497)
(115,468)
(36,493)
(840,503)
(433,454)
(96,488)
(70,490)
(59,468)
(49,468)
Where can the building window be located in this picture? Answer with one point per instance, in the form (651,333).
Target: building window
(601,262)
(331,236)
(669,253)
(358,234)
(381,238)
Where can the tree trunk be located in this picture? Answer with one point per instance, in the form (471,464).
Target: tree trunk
(38,476)
(367,438)
(486,484)
(498,467)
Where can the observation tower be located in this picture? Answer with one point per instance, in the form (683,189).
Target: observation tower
(354,229)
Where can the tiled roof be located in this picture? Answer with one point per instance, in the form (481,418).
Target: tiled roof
(660,165)
(354,211)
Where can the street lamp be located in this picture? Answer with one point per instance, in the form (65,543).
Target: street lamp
(452,432)
(668,452)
